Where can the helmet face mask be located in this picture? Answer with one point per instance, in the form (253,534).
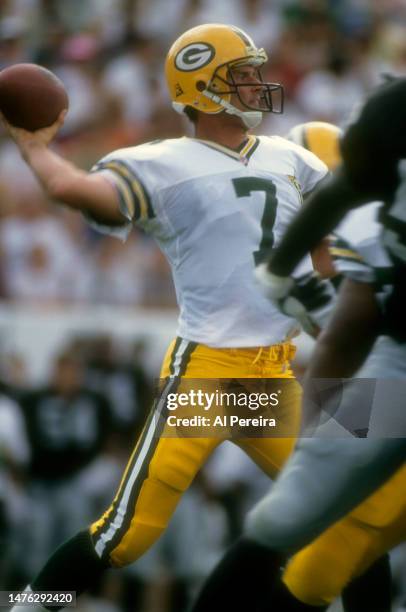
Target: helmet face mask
(201,69)
(270,99)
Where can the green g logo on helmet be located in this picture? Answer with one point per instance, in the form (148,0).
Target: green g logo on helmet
(194,56)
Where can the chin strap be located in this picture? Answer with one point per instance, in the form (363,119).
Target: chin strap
(250,118)
(179,107)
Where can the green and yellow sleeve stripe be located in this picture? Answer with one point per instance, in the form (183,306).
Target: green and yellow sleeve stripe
(342,253)
(135,202)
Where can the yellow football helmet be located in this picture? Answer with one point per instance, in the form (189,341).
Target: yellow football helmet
(199,72)
(322,139)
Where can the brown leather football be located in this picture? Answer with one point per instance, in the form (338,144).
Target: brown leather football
(31,97)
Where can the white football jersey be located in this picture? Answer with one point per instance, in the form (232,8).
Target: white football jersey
(215,213)
(358,252)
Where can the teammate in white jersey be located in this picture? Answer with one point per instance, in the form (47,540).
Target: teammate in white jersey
(214,203)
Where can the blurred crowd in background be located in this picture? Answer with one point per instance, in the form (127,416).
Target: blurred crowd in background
(109,53)
(63,443)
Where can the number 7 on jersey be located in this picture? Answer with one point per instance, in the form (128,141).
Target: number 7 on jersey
(244,186)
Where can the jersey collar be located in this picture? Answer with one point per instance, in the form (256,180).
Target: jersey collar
(243,155)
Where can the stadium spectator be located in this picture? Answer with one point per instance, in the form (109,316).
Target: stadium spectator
(68,427)
(38,254)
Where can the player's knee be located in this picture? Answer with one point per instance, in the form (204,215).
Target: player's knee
(175,470)
(150,517)
(170,477)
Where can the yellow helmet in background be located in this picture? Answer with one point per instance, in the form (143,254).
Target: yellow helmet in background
(198,72)
(322,139)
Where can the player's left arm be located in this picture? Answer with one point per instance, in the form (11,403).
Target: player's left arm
(327,205)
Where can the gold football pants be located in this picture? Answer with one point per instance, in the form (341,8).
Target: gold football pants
(162,468)
(319,572)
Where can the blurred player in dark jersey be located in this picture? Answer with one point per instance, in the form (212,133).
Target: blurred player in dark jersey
(326,478)
(374,168)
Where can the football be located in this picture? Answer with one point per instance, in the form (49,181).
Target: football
(31,97)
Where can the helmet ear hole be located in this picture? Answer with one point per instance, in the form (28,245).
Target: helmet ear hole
(200,85)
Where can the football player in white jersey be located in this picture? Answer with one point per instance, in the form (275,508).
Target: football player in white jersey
(215,204)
